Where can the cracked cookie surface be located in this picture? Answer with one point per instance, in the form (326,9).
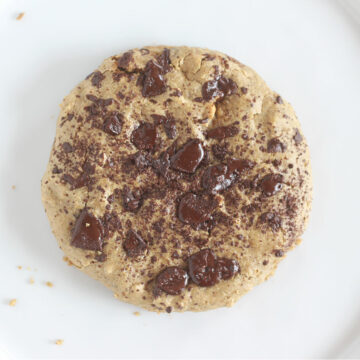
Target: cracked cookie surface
(177,178)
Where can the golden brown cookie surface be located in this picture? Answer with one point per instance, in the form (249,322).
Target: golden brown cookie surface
(177,178)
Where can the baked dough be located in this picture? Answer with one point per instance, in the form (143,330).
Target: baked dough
(177,178)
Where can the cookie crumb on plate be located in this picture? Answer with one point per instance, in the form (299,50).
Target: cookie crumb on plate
(20,16)
(12,302)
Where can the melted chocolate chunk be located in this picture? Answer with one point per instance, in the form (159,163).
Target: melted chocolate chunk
(170,127)
(279,100)
(101,257)
(279,253)
(227,268)
(141,160)
(158,119)
(239,165)
(97,78)
(273,220)
(222,132)
(131,199)
(153,81)
(189,157)
(134,245)
(219,177)
(218,88)
(172,280)
(113,123)
(88,232)
(219,151)
(124,61)
(144,137)
(164,61)
(67,147)
(162,164)
(216,178)
(195,209)
(271,184)
(203,269)
(76,183)
(297,137)
(275,146)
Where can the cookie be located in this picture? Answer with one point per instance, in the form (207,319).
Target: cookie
(177,178)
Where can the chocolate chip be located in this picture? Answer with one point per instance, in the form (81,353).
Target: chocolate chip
(132,200)
(297,137)
(134,245)
(144,137)
(279,253)
(222,132)
(88,232)
(97,78)
(67,147)
(218,88)
(170,127)
(279,100)
(227,268)
(272,219)
(113,123)
(195,209)
(168,309)
(124,60)
(203,269)
(189,157)
(275,146)
(271,184)
(172,280)
(244,90)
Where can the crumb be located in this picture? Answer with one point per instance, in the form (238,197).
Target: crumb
(31,281)
(68,261)
(28,268)
(49,284)
(13,187)
(20,16)
(59,342)
(19,267)
(136,313)
(12,302)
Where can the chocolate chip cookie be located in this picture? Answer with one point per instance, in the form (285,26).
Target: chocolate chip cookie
(177,178)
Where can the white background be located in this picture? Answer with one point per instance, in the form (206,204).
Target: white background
(307,51)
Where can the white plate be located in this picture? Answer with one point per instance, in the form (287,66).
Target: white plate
(309,52)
